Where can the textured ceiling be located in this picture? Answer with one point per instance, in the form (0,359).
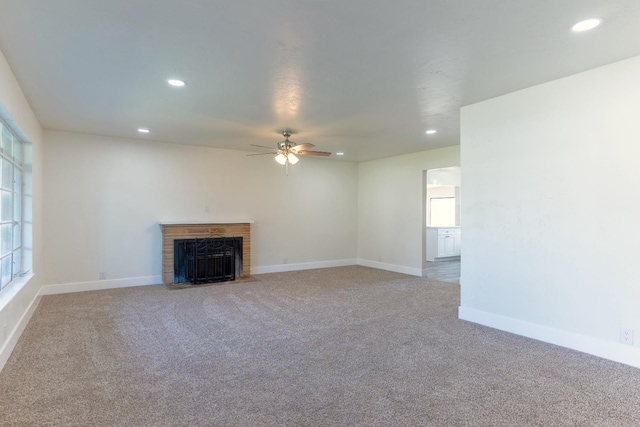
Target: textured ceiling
(366,77)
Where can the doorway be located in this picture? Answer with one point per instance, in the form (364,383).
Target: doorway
(442,235)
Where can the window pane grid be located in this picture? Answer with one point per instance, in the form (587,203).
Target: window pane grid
(10,205)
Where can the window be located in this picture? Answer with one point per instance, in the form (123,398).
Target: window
(10,206)
(443,212)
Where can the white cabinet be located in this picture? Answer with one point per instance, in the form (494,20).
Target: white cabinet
(443,242)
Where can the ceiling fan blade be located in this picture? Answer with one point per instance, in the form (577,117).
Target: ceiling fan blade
(301,147)
(261,154)
(313,153)
(261,146)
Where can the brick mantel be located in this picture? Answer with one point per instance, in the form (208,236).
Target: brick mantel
(173,231)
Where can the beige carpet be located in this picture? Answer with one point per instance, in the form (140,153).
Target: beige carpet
(347,346)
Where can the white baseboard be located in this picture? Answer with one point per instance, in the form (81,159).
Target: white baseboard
(337,263)
(301,266)
(622,353)
(65,288)
(12,340)
(391,267)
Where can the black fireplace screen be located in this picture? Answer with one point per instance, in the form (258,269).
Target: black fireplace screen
(207,260)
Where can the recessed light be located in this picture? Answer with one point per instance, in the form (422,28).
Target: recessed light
(143,130)
(339,153)
(586,24)
(176,82)
(431,131)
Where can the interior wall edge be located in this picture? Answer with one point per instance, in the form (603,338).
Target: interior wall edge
(98,285)
(392,267)
(609,350)
(281,268)
(11,341)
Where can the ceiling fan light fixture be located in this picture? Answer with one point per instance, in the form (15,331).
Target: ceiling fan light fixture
(281,158)
(287,152)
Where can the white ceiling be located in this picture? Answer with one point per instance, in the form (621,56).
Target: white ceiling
(366,77)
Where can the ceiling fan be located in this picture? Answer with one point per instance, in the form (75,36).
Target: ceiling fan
(287,151)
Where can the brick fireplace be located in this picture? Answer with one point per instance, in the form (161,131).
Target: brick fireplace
(179,231)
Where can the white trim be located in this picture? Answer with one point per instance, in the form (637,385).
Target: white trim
(64,288)
(279,268)
(392,267)
(12,289)
(13,337)
(617,352)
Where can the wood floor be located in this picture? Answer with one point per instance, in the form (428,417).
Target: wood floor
(447,270)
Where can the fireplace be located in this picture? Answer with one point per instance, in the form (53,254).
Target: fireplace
(217,243)
(208,260)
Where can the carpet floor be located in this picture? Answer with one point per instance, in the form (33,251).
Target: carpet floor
(349,346)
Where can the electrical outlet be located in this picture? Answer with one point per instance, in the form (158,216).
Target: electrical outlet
(626,336)
(285,260)
(206,209)
(103,275)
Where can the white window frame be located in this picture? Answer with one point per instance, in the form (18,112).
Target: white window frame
(11,205)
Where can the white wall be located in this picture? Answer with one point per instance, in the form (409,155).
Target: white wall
(17,300)
(551,204)
(106,196)
(391,209)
